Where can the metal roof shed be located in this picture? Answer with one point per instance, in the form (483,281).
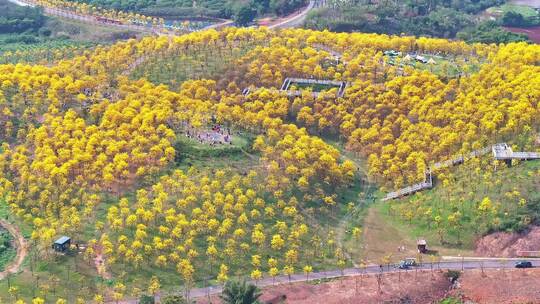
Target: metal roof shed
(62,244)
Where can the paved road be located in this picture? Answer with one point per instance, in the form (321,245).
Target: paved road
(292,21)
(486,263)
(295,20)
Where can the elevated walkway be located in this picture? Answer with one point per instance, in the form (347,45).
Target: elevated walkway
(427,184)
(500,151)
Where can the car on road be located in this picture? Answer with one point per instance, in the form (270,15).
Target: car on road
(524,264)
(407,263)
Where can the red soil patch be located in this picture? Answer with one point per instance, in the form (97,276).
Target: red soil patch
(532,32)
(500,286)
(423,287)
(264,21)
(504,244)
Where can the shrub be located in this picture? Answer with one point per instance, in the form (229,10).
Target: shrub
(452,275)
(174,299)
(146,299)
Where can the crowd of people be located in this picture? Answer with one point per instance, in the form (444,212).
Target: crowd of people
(217,135)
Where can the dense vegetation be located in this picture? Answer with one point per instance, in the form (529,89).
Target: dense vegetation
(33,38)
(21,25)
(490,32)
(7,252)
(17,19)
(205,8)
(421,18)
(94,150)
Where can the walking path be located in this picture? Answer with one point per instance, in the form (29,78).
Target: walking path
(500,151)
(22,250)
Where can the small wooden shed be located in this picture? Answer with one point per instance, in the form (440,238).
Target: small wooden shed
(62,244)
(422,245)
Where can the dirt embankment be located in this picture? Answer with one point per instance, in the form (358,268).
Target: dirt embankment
(419,288)
(499,286)
(532,32)
(504,244)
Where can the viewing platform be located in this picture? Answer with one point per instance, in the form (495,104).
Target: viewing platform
(304,82)
(288,82)
(504,152)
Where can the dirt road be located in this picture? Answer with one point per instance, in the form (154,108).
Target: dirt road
(22,250)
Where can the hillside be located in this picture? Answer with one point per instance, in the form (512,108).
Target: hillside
(229,9)
(27,35)
(466,20)
(179,162)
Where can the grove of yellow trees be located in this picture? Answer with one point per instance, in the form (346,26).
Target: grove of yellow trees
(80,131)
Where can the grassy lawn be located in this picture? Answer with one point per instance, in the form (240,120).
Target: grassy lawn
(524,10)
(236,156)
(314,87)
(7,256)
(363,195)
(60,276)
(513,204)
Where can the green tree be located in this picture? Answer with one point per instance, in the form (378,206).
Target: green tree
(245,15)
(174,299)
(146,299)
(236,292)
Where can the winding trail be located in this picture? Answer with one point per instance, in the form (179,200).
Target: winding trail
(22,249)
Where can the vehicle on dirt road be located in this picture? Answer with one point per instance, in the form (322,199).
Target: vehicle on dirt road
(524,264)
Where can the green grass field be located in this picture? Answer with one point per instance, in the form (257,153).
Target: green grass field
(313,87)
(514,203)
(524,10)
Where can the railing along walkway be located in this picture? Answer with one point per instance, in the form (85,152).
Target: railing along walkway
(342,85)
(288,82)
(500,151)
